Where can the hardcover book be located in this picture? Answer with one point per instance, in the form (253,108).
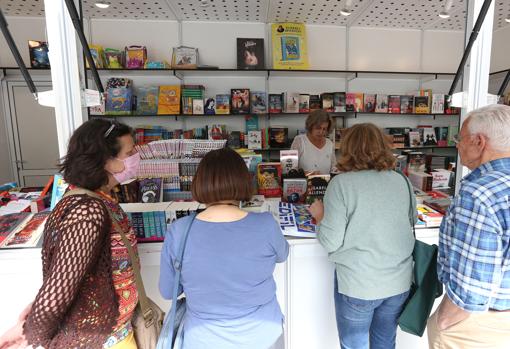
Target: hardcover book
(254,139)
(339,102)
(316,187)
(222,104)
(210,106)
(291,102)
(421,105)
(394,104)
(275,103)
(151,190)
(250,53)
(441,136)
(370,103)
(278,137)
(327,102)
(350,102)
(269,176)
(289,160)
(258,102)
(437,103)
(381,103)
(315,102)
(358,102)
(198,107)
(147,100)
(304,103)
(251,122)
(240,100)
(169,99)
(429,136)
(406,104)
(294,190)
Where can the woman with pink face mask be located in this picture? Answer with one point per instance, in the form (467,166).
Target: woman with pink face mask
(88,294)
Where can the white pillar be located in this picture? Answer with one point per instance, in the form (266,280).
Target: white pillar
(65,60)
(476,71)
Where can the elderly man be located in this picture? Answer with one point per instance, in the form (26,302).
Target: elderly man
(474,239)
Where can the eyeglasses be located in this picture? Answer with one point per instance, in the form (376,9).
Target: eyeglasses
(110,129)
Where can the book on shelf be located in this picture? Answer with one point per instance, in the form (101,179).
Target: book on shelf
(58,190)
(289,47)
(258,102)
(430,217)
(421,105)
(339,102)
(278,137)
(289,160)
(222,104)
(251,122)
(416,161)
(420,180)
(327,102)
(169,99)
(440,178)
(151,190)
(429,136)
(234,139)
(453,130)
(438,103)
(147,100)
(381,103)
(414,139)
(369,101)
(198,106)
(315,102)
(441,135)
(254,139)
(210,106)
(304,103)
(291,100)
(294,190)
(269,175)
(358,102)
(250,53)
(350,102)
(275,103)
(406,104)
(240,98)
(394,104)
(316,187)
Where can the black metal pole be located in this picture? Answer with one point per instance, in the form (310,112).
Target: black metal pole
(504,84)
(472,39)
(16,54)
(77,26)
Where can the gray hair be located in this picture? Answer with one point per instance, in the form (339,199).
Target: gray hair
(493,121)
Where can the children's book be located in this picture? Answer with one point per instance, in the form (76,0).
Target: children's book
(169,101)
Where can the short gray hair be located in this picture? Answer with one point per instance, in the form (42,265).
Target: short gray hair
(493,121)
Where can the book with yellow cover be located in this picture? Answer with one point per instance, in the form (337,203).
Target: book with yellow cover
(289,46)
(169,101)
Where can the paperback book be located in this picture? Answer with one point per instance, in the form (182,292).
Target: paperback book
(258,102)
(240,100)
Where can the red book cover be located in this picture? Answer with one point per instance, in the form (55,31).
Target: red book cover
(269,176)
(394,104)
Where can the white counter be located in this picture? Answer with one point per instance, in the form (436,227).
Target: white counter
(304,290)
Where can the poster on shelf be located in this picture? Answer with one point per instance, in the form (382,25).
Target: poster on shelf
(289,46)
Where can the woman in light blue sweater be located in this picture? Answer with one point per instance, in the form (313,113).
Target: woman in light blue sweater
(365,227)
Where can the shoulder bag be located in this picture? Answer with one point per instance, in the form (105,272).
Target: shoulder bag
(425,287)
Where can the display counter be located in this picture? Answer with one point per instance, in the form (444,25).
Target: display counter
(304,290)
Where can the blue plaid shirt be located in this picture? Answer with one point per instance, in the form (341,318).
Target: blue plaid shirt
(474,239)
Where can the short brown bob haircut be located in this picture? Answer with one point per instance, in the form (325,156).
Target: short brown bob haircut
(222,175)
(364,147)
(316,118)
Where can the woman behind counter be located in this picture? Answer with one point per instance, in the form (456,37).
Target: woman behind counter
(316,151)
(365,228)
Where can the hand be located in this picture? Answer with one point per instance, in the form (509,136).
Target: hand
(14,338)
(317,210)
(449,314)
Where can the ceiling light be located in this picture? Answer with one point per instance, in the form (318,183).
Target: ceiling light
(507,19)
(345,12)
(444,15)
(102,4)
(204,3)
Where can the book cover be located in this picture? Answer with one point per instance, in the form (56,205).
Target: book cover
(316,187)
(304,103)
(240,100)
(150,190)
(315,102)
(198,107)
(269,176)
(416,161)
(358,102)
(258,102)
(250,53)
(147,100)
(441,135)
(292,102)
(369,102)
(9,222)
(222,104)
(295,220)
(294,190)
(210,106)
(234,139)
(169,100)
(38,51)
(289,160)
(58,190)
(327,102)
(381,103)
(254,139)
(429,136)
(278,137)
(119,101)
(394,104)
(275,103)
(28,233)
(421,105)
(339,102)
(452,131)
(406,104)
(438,103)
(251,122)
(350,102)
(289,46)
(414,139)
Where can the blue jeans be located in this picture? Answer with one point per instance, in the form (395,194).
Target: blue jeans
(361,322)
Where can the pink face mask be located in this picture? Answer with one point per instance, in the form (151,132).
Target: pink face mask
(130,168)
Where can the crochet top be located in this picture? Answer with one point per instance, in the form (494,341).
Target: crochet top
(77,305)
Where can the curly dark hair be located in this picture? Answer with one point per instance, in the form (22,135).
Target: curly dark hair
(90,146)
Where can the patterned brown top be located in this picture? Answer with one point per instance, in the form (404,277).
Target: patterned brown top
(77,306)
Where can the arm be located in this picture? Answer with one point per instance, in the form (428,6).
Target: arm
(166,267)
(332,226)
(278,241)
(333,159)
(81,234)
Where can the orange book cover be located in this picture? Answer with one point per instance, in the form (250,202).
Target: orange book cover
(169,101)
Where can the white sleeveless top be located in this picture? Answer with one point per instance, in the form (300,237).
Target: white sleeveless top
(313,159)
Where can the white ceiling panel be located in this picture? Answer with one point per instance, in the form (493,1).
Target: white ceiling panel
(409,14)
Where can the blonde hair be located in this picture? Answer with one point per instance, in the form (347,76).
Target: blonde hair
(364,147)
(318,117)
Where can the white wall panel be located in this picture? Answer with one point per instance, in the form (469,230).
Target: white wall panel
(326,47)
(442,50)
(22,29)
(500,56)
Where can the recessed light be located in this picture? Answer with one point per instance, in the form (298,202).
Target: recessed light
(345,12)
(102,4)
(444,15)
(507,19)
(204,3)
